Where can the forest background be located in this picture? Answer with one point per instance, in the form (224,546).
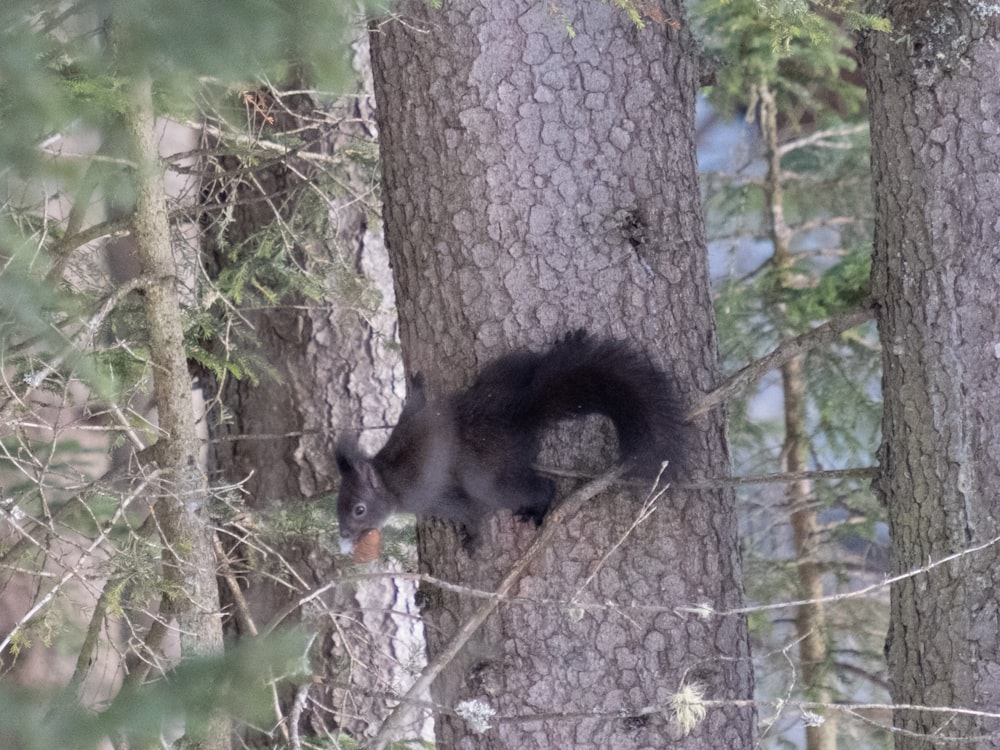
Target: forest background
(200,204)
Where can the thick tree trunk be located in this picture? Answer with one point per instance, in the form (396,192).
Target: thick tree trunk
(539,175)
(936,280)
(337,371)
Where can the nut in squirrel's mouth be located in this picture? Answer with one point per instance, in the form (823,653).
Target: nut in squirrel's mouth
(365,548)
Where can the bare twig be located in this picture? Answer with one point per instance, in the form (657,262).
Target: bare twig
(825,138)
(647,509)
(72,571)
(298,706)
(243,615)
(861,472)
(785,351)
(498,595)
(9,558)
(705,610)
(553,521)
(245,618)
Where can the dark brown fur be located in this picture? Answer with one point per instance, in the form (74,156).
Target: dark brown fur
(470,454)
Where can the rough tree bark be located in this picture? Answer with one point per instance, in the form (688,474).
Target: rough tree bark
(337,370)
(935,109)
(539,175)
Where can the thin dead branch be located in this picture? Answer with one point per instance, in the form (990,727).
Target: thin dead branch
(787,350)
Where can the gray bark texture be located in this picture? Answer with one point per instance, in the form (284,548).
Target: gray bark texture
(935,114)
(337,370)
(539,175)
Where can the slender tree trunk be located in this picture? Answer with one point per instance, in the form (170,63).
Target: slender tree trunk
(935,106)
(189,563)
(810,619)
(539,175)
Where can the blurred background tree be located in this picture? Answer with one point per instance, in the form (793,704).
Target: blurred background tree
(790,220)
(131,132)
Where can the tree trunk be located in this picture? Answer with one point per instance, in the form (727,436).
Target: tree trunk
(189,564)
(810,618)
(539,175)
(336,371)
(935,277)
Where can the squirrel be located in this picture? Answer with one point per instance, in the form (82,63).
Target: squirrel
(470,454)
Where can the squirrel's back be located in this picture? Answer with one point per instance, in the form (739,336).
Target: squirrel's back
(472,453)
(578,375)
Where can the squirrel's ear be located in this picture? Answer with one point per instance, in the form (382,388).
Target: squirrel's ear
(347,454)
(370,476)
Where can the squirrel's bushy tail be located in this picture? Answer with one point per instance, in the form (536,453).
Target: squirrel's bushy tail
(581,375)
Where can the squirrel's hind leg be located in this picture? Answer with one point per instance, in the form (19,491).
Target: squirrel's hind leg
(534,495)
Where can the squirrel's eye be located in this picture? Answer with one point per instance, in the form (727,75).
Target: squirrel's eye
(359,510)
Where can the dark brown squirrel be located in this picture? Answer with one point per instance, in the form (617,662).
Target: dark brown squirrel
(467,455)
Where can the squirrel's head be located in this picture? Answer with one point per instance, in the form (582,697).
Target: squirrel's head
(362,503)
